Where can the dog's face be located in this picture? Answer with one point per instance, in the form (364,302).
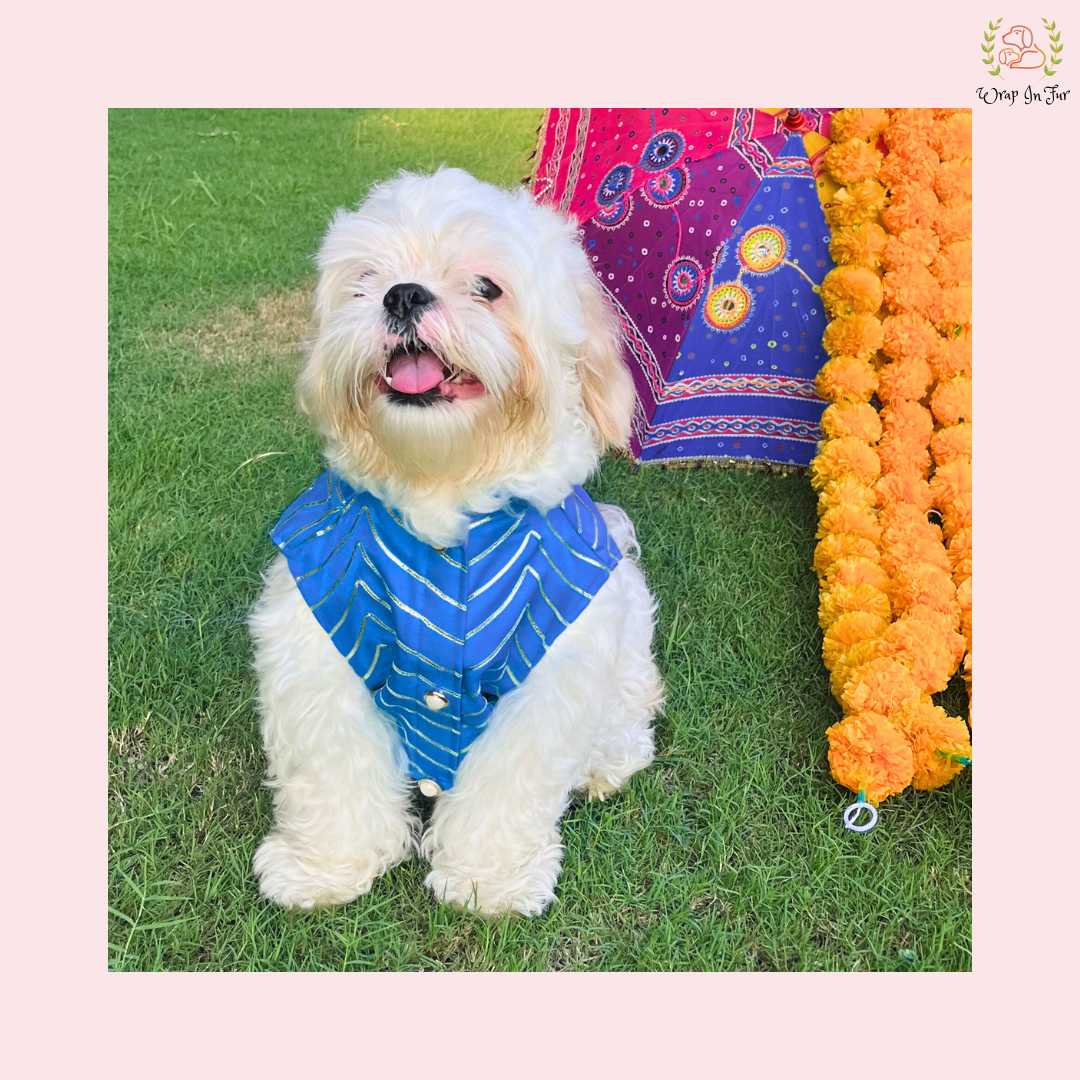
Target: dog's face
(461,338)
(1019,36)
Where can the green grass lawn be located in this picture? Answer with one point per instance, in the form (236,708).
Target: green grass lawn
(727,854)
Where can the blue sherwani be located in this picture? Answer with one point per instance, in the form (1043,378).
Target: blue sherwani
(438,636)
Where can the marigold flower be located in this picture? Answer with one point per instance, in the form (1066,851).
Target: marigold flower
(950,443)
(848,456)
(838,545)
(953,357)
(882,686)
(854,418)
(864,124)
(844,598)
(856,203)
(917,245)
(868,754)
(859,244)
(904,380)
(910,336)
(862,652)
(936,740)
(931,576)
(901,521)
(855,571)
(952,265)
(956,516)
(846,378)
(909,206)
(845,491)
(852,627)
(950,481)
(903,487)
(960,544)
(947,625)
(852,161)
(927,585)
(951,400)
(851,290)
(912,288)
(907,419)
(952,180)
(923,650)
(901,456)
(853,335)
(953,139)
(909,125)
(869,194)
(924,549)
(951,221)
(854,520)
(911,163)
(954,316)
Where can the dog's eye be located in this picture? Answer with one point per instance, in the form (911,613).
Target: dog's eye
(487,288)
(357,287)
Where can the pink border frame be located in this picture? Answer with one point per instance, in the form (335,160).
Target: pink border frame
(66,1011)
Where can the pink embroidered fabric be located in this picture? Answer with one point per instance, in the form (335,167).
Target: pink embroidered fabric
(706,232)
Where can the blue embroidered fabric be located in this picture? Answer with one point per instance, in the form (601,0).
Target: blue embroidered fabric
(742,383)
(463,625)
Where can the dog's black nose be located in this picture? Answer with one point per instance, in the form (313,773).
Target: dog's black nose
(401,300)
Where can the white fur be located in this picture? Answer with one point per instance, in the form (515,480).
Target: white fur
(556,395)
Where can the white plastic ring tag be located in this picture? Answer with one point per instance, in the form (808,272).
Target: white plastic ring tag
(852,813)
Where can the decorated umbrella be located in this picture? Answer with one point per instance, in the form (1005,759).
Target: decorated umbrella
(706,230)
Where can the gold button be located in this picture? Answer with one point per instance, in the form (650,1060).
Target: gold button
(436,700)
(429,788)
(440,549)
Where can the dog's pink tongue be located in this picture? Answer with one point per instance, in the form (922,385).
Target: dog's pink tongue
(414,373)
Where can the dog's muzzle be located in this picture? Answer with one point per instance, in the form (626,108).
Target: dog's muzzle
(415,373)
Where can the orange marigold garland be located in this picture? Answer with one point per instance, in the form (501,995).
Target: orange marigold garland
(896,585)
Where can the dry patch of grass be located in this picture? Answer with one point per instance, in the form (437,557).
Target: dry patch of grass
(269,333)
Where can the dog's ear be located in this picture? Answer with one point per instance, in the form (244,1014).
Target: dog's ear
(607,387)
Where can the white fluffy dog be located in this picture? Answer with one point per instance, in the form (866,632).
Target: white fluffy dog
(464,365)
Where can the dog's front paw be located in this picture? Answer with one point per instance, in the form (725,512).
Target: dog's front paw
(295,881)
(526,889)
(598,787)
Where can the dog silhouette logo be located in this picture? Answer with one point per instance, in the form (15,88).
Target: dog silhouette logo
(1017,51)
(1021,52)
